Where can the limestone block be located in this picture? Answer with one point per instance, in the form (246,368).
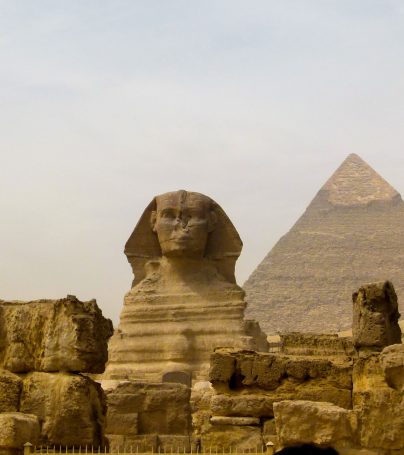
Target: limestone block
(121,423)
(380,408)
(54,335)
(17,428)
(240,421)
(141,443)
(375,316)
(392,363)
(71,408)
(169,443)
(299,422)
(222,366)
(10,391)
(268,371)
(268,427)
(162,408)
(309,344)
(251,405)
(236,438)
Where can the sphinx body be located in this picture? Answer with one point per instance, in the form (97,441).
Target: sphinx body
(184,300)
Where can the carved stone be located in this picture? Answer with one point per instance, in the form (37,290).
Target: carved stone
(184,301)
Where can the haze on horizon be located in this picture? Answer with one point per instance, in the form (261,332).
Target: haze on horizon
(106,103)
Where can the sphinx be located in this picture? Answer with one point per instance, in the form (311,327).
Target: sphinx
(184,300)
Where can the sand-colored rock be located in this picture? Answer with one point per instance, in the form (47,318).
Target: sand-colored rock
(380,408)
(247,384)
(267,371)
(70,407)
(148,443)
(392,364)
(350,234)
(239,438)
(17,428)
(375,316)
(324,345)
(10,391)
(53,335)
(240,421)
(136,408)
(184,301)
(299,422)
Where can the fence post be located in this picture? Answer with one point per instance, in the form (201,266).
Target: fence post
(27,448)
(270,447)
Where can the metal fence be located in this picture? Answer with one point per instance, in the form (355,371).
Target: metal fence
(29,449)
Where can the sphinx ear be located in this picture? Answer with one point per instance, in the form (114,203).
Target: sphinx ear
(212,221)
(153,218)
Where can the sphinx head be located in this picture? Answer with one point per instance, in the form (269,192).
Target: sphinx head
(182,222)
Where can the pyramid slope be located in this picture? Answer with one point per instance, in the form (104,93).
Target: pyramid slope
(306,281)
(356,183)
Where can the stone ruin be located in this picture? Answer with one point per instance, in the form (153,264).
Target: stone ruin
(186,371)
(349,396)
(47,348)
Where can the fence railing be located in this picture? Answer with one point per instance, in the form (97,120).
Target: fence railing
(30,449)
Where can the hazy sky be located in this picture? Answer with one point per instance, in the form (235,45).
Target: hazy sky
(104,104)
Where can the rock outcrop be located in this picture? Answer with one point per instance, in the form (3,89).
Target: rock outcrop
(53,335)
(375,316)
(44,346)
(184,300)
(71,408)
(350,234)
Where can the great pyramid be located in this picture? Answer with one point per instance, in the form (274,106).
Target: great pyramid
(351,233)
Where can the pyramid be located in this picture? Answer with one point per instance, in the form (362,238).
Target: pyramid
(351,233)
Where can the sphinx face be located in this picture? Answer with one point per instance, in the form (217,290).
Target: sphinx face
(182,222)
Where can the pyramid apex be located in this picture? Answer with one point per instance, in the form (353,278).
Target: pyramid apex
(356,183)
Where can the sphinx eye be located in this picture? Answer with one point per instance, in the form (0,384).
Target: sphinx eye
(168,214)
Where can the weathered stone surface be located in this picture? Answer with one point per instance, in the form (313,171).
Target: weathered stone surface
(221,420)
(299,422)
(161,408)
(141,443)
(308,344)
(53,335)
(184,301)
(375,316)
(70,407)
(169,443)
(252,405)
(268,427)
(380,408)
(117,421)
(350,234)
(392,363)
(242,438)
(268,371)
(10,391)
(201,396)
(248,383)
(16,429)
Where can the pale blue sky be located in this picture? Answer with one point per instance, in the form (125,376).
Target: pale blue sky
(104,104)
